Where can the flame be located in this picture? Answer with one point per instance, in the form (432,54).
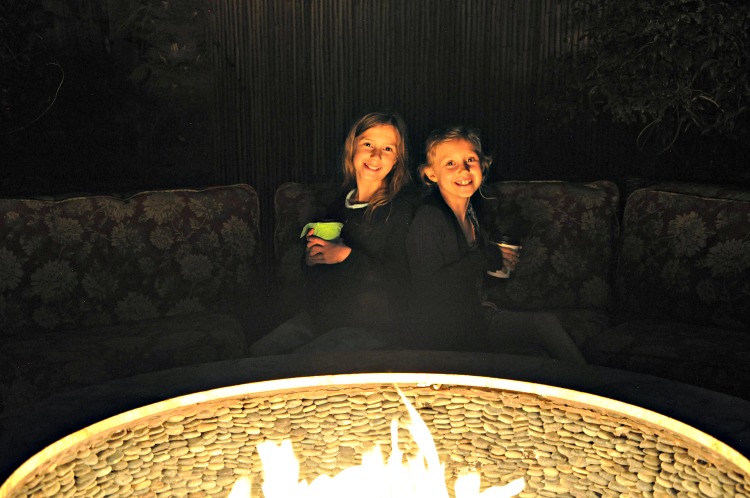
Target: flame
(421,476)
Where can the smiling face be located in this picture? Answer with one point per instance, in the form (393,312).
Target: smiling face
(375,153)
(455,167)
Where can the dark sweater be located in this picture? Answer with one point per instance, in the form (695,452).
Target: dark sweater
(446,274)
(370,287)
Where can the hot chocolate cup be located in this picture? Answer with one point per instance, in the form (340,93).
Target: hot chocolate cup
(326,230)
(498,267)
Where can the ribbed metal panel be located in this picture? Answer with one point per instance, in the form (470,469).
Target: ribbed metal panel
(291,75)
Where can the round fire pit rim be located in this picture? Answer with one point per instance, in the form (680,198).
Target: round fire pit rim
(419,380)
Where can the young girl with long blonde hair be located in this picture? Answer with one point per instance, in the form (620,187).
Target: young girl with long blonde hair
(357,284)
(447,260)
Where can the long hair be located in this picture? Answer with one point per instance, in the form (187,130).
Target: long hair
(442,135)
(397,178)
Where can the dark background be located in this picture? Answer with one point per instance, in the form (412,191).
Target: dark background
(113,96)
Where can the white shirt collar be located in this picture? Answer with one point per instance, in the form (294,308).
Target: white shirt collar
(353,205)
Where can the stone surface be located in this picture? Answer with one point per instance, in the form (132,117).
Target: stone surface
(723,417)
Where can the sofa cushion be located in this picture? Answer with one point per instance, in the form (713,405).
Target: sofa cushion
(583,325)
(34,367)
(568,232)
(295,205)
(685,256)
(100,260)
(717,359)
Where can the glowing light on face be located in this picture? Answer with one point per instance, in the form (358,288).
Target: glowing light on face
(420,476)
(375,153)
(456,169)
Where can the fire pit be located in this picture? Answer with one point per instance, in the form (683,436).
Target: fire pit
(560,441)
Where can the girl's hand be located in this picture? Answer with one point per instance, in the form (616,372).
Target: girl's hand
(325,252)
(510,257)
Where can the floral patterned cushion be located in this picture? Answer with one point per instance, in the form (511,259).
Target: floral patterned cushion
(568,233)
(36,366)
(681,351)
(295,205)
(686,257)
(101,260)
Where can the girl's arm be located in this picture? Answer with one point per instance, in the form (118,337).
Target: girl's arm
(444,304)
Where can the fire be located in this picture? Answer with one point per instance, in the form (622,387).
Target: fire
(421,476)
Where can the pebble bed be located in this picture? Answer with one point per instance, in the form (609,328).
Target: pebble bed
(559,447)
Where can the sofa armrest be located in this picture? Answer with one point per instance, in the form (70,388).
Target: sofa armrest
(685,255)
(295,204)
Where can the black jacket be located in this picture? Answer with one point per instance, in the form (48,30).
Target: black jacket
(446,275)
(370,288)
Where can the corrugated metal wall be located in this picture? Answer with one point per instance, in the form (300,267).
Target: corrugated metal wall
(292,75)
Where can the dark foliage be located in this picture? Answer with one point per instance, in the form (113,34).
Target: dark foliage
(123,110)
(28,73)
(668,68)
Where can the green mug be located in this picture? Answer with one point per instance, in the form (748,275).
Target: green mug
(326,230)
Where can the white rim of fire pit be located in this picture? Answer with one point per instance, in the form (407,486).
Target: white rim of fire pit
(338,380)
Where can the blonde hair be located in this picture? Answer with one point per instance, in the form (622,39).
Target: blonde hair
(442,135)
(398,177)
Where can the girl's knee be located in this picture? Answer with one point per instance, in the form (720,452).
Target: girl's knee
(548,320)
